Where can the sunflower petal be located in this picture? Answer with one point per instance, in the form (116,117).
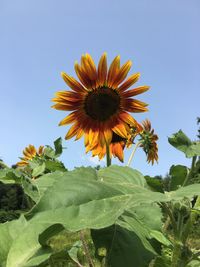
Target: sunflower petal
(127,118)
(69,119)
(130,81)
(102,70)
(72,131)
(108,136)
(122,74)
(65,107)
(136,91)
(113,70)
(83,76)
(72,83)
(117,151)
(79,134)
(120,129)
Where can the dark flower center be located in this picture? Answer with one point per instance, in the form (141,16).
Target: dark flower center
(102,103)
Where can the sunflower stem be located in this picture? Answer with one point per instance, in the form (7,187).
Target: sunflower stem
(108,159)
(133,153)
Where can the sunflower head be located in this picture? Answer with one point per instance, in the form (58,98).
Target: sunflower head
(100,101)
(30,153)
(148,142)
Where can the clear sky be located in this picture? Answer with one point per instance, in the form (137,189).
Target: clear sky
(39,39)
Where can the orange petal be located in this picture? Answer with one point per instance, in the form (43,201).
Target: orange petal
(40,150)
(69,119)
(130,81)
(70,95)
(102,70)
(120,129)
(124,116)
(86,141)
(72,83)
(113,70)
(79,134)
(117,151)
(108,136)
(92,66)
(122,74)
(65,107)
(93,137)
(136,91)
(82,75)
(72,131)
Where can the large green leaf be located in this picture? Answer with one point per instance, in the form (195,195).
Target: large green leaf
(180,141)
(178,175)
(9,231)
(186,191)
(121,177)
(86,184)
(123,247)
(85,198)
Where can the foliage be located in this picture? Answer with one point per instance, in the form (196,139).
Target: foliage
(110,216)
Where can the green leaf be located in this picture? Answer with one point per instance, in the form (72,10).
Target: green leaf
(180,141)
(149,214)
(9,231)
(186,191)
(79,200)
(73,252)
(48,233)
(85,184)
(38,170)
(9,175)
(154,183)
(123,247)
(124,179)
(39,258)
(58,147)
(178,175)
(29,188)
(160,237)
(55,166)
(193,263)
(49,152)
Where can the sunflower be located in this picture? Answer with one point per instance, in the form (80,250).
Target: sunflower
(117,145)
(148,142)
(29,152)
(99,101)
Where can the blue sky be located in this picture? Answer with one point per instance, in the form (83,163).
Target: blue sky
(39,39)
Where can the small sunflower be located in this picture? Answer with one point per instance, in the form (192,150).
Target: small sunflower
(100,102)
(148,142)
(30,152)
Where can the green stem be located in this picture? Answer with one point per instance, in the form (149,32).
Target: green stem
(132,154)
(108,158)
(86,249)
(176,254)
(191,171)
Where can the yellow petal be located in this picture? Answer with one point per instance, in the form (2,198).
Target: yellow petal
(102,70)
(130,81)
(69,119)
(136,91)
(122,74)
(72,83)
(72,131)
(113,70)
